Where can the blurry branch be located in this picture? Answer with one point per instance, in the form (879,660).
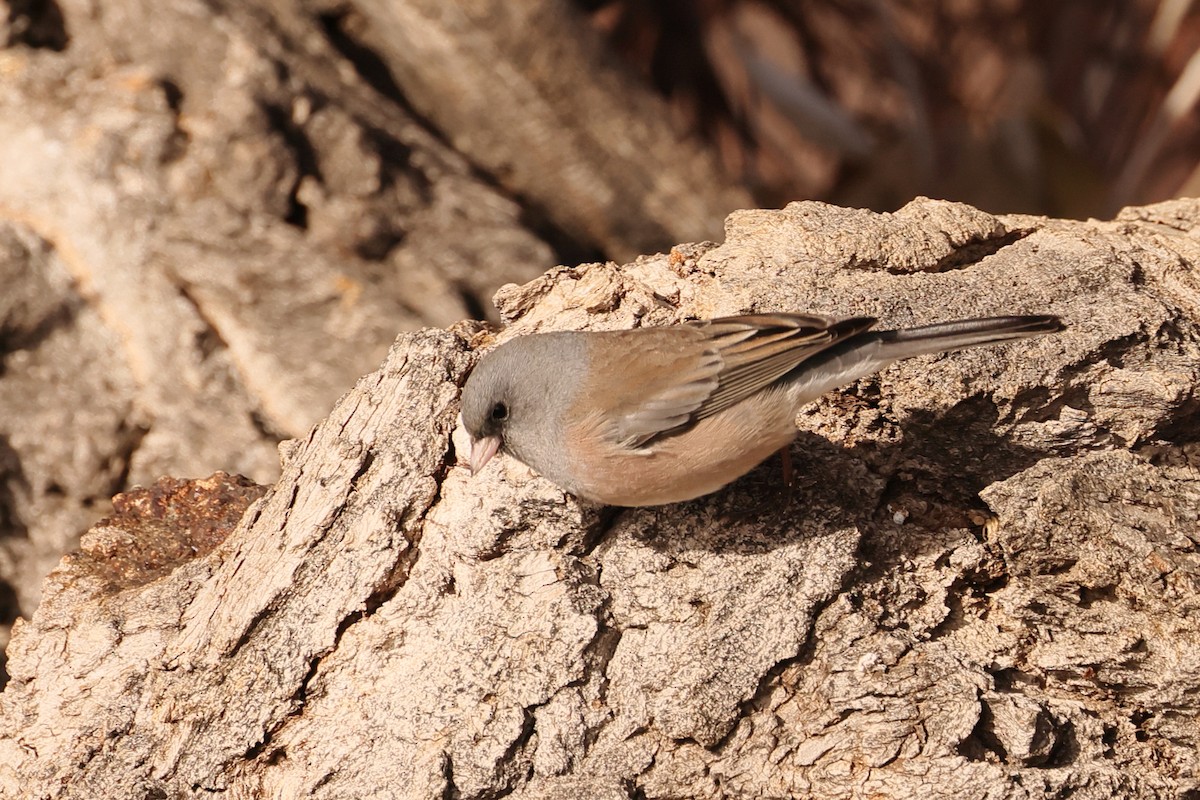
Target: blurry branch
(816,117)
(1066,109)
(1180,102)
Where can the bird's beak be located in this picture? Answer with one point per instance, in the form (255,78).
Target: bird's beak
(482,451)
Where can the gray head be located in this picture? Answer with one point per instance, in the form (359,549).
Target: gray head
(515,398)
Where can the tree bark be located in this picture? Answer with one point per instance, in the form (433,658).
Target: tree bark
(215,217)
(983,584)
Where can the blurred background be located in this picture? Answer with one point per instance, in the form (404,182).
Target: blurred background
(1068,109)
(214,218)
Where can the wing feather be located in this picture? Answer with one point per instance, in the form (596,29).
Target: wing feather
(681,374)
(775,345)
(670,372)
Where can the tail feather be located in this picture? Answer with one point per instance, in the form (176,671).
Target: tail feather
(871,351)
(961,334)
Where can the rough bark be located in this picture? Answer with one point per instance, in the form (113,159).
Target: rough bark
(985,582)
(215,217)
(564,94)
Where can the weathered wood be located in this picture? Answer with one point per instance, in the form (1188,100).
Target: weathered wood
(526,90)
(984,584)
(224,215)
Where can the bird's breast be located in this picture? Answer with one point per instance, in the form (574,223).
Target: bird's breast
(696,461)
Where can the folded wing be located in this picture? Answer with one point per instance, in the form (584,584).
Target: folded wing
(689,372)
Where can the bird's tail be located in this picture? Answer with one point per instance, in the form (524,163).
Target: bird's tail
(960,335)
(871,351)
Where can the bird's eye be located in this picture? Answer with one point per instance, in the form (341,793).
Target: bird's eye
(499,412)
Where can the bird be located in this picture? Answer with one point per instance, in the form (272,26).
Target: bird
(659,415)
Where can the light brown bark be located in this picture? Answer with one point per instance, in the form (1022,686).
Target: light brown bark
(984,584)
(215,217)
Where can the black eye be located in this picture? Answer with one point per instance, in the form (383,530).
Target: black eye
(499,412)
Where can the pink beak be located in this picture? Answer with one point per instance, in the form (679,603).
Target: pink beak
(482,451)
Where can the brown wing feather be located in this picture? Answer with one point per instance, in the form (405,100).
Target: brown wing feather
(685,373)
(668,372)
(758,350)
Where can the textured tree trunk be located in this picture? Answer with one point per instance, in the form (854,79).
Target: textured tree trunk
(215,217)
(985,582)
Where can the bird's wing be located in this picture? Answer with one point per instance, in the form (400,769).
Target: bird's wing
(688,372)
(653,381)
(759,349)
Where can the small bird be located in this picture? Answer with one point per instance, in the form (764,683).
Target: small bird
(660,415)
